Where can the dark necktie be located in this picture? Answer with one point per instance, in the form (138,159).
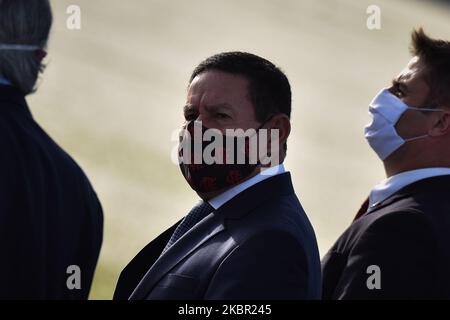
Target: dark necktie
(201,210)
(362,210)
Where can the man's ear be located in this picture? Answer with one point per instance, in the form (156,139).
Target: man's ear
(442,125)
(283,124)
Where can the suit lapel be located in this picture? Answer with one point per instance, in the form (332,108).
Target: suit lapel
(213,224)
(199,234)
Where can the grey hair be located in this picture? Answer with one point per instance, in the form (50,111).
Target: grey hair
(26,22)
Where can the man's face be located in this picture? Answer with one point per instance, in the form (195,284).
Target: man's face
(410,86)
(221,101)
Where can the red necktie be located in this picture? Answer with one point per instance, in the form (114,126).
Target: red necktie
(362,210)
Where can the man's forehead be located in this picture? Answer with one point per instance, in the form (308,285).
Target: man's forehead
(195,98)
(216,87)
(413,71)
(215,78)
(414,61)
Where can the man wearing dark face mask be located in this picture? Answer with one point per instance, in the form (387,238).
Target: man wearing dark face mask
(248,237)
(397,246)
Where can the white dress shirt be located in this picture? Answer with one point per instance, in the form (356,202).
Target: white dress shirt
(391,185)
(222,198)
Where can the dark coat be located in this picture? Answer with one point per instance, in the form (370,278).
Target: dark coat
(50,217)
(258,245)
(407,236)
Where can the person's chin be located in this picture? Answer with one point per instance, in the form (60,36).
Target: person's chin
(209,195)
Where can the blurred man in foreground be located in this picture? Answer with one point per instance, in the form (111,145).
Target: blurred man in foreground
(50,218)
(248,238)
(398,245)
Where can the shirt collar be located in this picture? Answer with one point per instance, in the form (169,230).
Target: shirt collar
(224,197)
(393,184)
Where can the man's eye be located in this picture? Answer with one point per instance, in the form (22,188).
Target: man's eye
(399,93)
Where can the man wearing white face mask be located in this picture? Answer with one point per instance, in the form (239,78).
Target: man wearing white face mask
(397,246)
(51,221)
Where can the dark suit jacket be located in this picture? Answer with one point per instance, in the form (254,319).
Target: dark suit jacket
(407,236)
(50,217)
(258,245)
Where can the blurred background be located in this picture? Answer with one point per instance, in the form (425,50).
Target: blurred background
(113,93)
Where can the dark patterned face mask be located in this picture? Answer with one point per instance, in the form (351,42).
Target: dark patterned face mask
(204,176)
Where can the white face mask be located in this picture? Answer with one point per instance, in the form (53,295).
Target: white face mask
(386,110)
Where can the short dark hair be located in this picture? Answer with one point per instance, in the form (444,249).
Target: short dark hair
(29,23)
(436,56)
(269,88)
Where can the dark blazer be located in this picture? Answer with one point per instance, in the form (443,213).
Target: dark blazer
(50,217)
(258,245)
(407,236)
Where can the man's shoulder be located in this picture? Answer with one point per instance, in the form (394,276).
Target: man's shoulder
(410,210)
(22,140)
(279,216)
(393,221)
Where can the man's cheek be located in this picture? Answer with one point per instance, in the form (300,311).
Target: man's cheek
(399,125)
(409,126)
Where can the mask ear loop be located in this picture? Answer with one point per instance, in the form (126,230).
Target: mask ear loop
(425,110)
(19,47)
(39,52)
(416,138)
